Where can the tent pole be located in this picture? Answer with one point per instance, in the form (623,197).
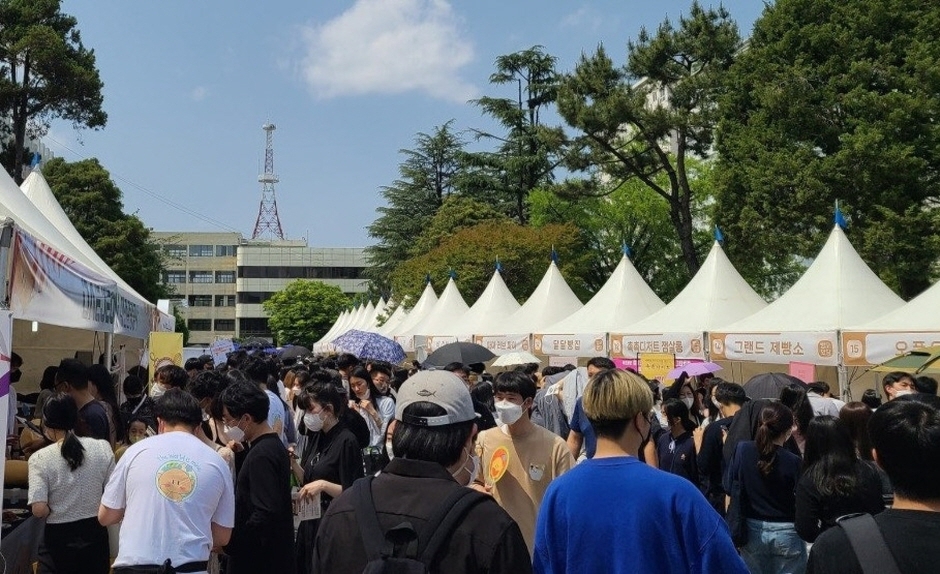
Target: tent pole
(108,349)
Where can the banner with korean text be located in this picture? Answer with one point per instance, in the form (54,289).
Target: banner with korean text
(681,345)
(502,344)
(816,347)
(50,287)
(575,345)
(862,349)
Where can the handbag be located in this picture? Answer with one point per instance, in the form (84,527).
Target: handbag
(737,523)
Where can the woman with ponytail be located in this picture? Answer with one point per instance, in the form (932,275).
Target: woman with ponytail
(767,475)
(66,480)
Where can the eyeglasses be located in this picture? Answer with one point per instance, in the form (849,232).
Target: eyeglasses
(229,422)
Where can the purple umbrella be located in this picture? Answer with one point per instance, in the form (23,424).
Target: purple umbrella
(694,369)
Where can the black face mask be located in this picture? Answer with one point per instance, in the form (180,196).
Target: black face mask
(644,441)
(15,376)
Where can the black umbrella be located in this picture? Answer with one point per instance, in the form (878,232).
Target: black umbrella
(459,352)
(295,352)
(768,385)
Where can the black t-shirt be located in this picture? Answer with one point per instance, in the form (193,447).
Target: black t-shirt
(93,422)
(815,512)
(911,535)
(770,498)
(711,464)
(263,537)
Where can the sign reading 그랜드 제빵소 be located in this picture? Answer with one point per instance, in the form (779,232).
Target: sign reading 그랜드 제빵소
(816,347)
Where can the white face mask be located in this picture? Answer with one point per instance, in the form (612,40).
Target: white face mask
(716,403)
(313,421)
(508,412)
(688,402)
(157,390)
(903,392)
(388,449)
(234,433)
(474,470)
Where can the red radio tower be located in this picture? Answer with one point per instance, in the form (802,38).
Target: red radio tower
(268,224)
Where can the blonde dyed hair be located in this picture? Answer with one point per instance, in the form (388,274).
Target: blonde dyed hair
(615,395)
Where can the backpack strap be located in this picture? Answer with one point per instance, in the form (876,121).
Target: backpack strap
(869,544)
(373,539)
(441,526)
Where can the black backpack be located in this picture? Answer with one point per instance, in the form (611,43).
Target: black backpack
(402,550)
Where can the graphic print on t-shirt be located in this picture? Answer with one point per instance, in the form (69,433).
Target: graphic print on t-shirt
(176,480)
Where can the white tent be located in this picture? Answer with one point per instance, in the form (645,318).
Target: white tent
(450,307)
(624,299)
(321,346)
(397,316)
(490,310)
(716,295)
(422,308)
(552,301)
(837,291)
(379,310)
(133,310)
(916,324)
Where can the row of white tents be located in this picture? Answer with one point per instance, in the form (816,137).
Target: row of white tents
(838,314)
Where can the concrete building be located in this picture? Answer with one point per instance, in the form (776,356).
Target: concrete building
(222,279)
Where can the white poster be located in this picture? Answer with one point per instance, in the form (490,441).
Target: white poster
(573,345)
(681,345)
(502,344)
(49,287)
(862,349)
(816,347)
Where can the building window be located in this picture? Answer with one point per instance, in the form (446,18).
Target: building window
(175,251)
(225,251)
(224,300)
(200,276)
(224,276)
(200,251)
(253,326)
(199,324)
(200,300)
(225,325)
(174,277)
(254,297)
(293,272)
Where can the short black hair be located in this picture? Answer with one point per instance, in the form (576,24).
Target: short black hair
(926,385)
(177,407)
(906,436)
(48,378)
(205,385)
(602,363)
(172,375)
(346,360)
(257,370)
(381,367)
(871,398)
(443,444)
(457,366)
(515,382)
(730,394)
(73,372)
(192,364)
(818,387)
(325,394)
(894,377)
(133,386)
(60,412)
(243,397)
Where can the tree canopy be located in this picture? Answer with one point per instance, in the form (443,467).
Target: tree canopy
(834,100)
(45,72)
(93,204)
(304,311)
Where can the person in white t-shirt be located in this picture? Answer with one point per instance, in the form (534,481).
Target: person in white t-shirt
(173,495)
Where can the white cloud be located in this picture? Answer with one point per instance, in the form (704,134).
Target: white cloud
(388,47)
(584,17)
(199,93)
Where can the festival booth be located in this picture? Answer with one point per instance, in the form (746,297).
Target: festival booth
(488,313)
(423,307)
(717,295)
(803,326)
(552,301)
(450,307)
(623,300)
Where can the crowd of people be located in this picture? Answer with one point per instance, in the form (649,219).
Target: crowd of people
(345,465)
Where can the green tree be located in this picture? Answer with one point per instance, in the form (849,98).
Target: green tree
(648,119)
(834,100)
(528,153)
(471,253)
(45,72)
(181,326)
(456,213)
(426,178)
(93,203)
(303,312)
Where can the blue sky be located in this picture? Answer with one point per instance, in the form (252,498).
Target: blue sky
(348,83)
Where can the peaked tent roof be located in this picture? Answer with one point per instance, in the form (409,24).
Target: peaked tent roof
(716,296)
(398,315)
(488,313)
(838,290)
(422,308)
(624,299)
(367,317)
(449,308)
(552,301)
(40,194)
(919,314)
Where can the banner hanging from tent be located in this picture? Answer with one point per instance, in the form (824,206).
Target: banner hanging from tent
(862,349)
(682,345)
(50,287)
(502,344)
(575,345)
(816,347)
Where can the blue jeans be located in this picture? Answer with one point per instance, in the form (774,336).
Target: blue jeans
(773,548)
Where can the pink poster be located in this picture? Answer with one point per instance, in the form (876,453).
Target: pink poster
(805,372)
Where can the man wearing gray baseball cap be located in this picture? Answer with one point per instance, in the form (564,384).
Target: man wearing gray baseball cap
(420,506)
